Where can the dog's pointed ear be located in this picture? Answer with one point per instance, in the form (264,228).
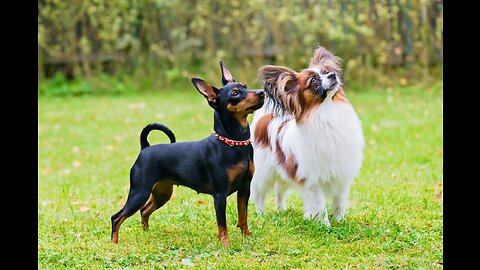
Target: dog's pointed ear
(207,90)
(226,74)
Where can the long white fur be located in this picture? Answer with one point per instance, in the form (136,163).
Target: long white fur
(328,147)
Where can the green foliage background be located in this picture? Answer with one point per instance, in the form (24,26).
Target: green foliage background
(150,44)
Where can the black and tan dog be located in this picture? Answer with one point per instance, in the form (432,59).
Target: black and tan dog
(218,165)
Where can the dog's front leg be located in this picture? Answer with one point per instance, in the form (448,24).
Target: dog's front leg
(220,201)
(242,204)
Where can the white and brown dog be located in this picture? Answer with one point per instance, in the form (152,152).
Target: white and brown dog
(307,135)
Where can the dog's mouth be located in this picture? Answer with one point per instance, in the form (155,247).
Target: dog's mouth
(324,90)
(256,106)
(260,100)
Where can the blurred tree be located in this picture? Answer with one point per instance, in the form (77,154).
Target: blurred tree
(171,39)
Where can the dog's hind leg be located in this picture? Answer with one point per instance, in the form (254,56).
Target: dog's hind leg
(133,204)
(137,196)
(340,202)
(314,204)
(280,189)
(161,194)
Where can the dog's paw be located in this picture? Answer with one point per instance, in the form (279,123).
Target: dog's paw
(320,217)
(339,217)
(260,211)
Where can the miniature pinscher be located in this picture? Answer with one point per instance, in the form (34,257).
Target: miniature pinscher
(219,165)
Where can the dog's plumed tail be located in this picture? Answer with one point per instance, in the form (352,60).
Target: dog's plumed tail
(154,126)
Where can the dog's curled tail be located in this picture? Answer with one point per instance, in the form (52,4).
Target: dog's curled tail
(154,126)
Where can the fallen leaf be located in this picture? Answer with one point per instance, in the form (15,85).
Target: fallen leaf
(200,202)
(77,163)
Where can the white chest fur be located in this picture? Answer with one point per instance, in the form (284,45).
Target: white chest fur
(328,145)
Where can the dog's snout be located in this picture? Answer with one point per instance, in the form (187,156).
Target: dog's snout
(331,76)
(260,93)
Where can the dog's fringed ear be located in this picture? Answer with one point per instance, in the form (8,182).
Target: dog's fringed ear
(207,90)
(226,74)
(281,85)
(278,78)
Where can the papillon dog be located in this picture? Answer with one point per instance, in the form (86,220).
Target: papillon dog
(307,136)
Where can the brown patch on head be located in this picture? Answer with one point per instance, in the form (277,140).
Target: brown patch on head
(243,108)
(309,98)
(291,91)
(261,131)
(327,62)
(236,170)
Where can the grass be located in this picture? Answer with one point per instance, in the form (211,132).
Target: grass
(86,146)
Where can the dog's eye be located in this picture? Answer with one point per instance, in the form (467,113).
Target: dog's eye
(235,93)
(313,81)
(324,72)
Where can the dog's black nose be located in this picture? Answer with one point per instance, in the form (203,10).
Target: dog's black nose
(260,93)
(331,76)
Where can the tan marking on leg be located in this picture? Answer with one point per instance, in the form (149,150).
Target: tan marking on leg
(223,235)
(115,233)
(161,194)
(242,214)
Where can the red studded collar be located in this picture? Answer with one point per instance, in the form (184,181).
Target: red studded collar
(232,142)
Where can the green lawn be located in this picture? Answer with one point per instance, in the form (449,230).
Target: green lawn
(86,146)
